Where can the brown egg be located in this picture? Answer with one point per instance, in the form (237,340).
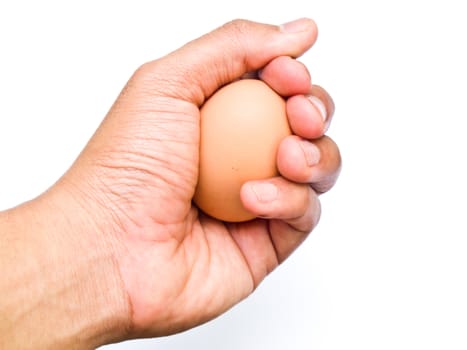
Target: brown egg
(242,125)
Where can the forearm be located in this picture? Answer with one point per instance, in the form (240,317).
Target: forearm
(58,290)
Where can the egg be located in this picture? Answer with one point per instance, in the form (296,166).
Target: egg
(241,127)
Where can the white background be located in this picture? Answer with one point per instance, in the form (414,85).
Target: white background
(386,267)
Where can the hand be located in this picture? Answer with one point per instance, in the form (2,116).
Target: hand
(169,266)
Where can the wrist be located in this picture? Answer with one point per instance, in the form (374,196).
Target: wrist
(61,288)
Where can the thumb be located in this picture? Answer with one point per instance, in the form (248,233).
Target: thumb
(196,70)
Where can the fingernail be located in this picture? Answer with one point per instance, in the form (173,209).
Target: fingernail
(265,192)
(319,105)
(299,25)
(311,152)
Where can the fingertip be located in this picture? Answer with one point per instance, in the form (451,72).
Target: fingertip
(257,195)
(305,118)
(326,99)
(326,173)
(320,107)
(297,159)
(286,76)
(276,198)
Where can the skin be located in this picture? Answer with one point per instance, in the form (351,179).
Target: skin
(116,250)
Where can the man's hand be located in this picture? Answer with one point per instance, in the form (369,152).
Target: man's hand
(125,206)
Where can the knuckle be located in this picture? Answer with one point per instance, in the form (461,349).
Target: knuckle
(237,31)
(237,26)
(142,75)
(143,69)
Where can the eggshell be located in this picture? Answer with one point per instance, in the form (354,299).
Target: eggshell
(242,125)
